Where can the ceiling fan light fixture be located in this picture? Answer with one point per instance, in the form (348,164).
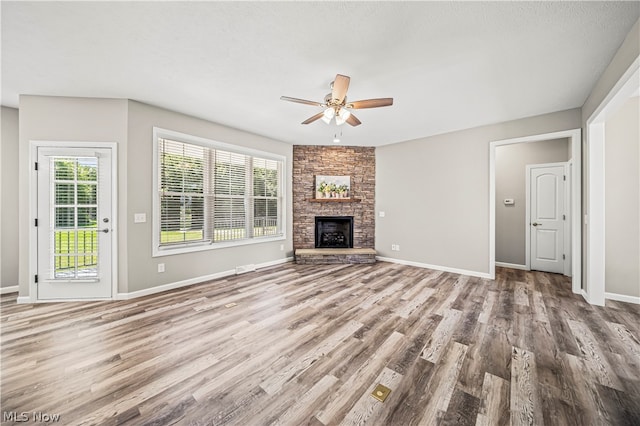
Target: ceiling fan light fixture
(329,113)
(342,116)
(336,105)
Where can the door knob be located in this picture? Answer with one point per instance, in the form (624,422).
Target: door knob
(105,230)
(536,224)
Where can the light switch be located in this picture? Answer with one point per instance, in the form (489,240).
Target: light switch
(139,218)
(509,201)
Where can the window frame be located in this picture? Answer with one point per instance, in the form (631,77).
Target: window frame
(189,247)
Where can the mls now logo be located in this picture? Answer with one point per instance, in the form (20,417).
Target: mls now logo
(25,416)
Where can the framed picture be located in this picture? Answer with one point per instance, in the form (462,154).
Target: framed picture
(333,187)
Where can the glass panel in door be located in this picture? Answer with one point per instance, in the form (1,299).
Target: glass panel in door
(75,217)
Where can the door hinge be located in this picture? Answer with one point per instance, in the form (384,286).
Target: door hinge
(563,257)
(35,166)
(35,278)
(564,217)
(564,177)
(36,222)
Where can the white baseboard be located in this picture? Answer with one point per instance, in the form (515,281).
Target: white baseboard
(435,267)
(196,280)
(23,299)
(512,266)
(274,263)
(622,298)
(584,295)
(587,298)
(9,289)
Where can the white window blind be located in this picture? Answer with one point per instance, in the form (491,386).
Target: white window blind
(208,195)
(182,174)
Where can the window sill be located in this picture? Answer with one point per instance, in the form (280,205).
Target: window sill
(191,248)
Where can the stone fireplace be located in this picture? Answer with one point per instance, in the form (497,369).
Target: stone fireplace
(359,163)
(334,232)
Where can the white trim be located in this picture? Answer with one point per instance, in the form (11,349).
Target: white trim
(492,209)
(195,247)
(33,209)
(273,263)
(527,217)
(156,250)
(624,88)
(622,298)
(585,295)
(196,280)
(568,221)
(198,140)
(435,267)
(576,212)
(595,225)
(89,299)
(9,289)
(576,199)
(24,300)
(174,285)
(513,266)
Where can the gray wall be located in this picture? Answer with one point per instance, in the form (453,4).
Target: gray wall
(511,162)
(435,192)
(130,124)
(621,61)
(142,272)
(9,198)
(44,118)
(622,200)
(626,54)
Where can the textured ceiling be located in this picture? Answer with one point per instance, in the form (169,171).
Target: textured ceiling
(448,65)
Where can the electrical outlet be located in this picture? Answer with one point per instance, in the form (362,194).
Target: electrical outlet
(160,267)
(139,218)
(393,247)
(381,214)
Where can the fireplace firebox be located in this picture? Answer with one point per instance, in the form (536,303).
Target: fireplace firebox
(334,232)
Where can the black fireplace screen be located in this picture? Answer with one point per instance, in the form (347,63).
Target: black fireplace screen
(334,231)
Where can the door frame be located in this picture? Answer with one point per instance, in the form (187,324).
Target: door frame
(575,162)
(34,145)
(594,218)
(566,245)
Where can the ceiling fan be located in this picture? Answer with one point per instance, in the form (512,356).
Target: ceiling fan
(336,106)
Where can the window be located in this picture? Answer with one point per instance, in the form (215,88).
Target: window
(210,194)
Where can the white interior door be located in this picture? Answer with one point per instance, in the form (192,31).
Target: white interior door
(74,223)
(547,217)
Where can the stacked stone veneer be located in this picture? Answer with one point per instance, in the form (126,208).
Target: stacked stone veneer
(357,162)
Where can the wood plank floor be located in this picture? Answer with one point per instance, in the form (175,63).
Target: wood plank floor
(306,344)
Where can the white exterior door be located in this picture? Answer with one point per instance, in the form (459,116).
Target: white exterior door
(74,223)
(547,216)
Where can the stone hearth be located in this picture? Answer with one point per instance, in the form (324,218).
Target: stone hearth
(332,255)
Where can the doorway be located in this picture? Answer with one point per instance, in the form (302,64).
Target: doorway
(74,223)
(575,201)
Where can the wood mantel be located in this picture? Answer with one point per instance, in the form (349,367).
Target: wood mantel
(334,200)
